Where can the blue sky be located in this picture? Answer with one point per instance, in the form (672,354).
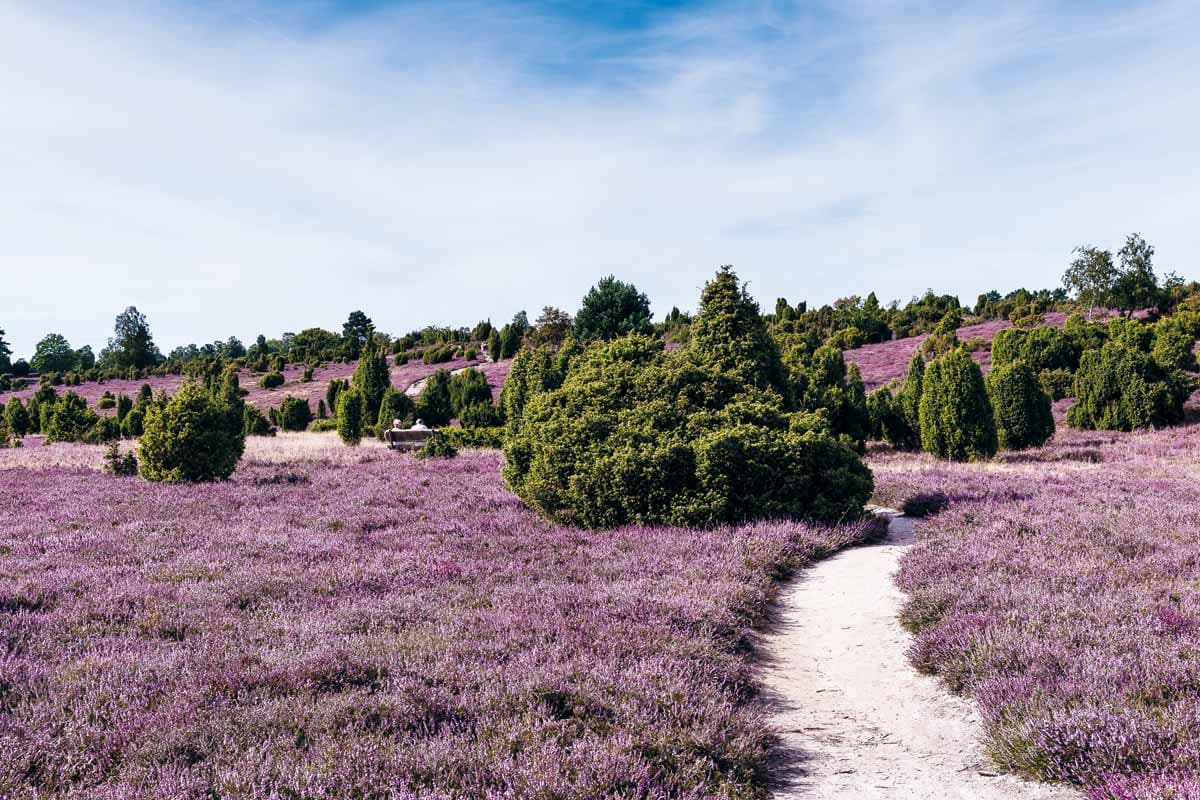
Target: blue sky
(247,167)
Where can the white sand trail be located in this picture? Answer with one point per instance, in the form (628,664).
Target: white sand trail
(858,721)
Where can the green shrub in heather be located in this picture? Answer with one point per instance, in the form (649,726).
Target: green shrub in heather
(433,404)
(957,422)
(295,414)
(254,423)
(124,405)
(1122,389)
(327,425)
(16,417)
(394,405)
(371,378)
(480,415)
(437,445)
(1172,345)
(1056,383)
(1041,348)
(697,437)
(334,388)
(468,388)
(69,419)
(823,383)
(271,380)
(350,416)
(189,439)
(534,370)
(1022,410)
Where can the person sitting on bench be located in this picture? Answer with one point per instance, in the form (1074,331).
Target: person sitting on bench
(419,425)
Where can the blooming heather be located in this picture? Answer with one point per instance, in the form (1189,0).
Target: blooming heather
(1061,588)
(338,622)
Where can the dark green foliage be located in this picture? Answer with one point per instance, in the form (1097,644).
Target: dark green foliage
(322,411)
(471,354)
(1120,388)
(897,415)
(335,388)
(20,368)
(957,422)
(271,380)
(324,425)
(925,504)
(493,344)
(1132,333)
(53,354)
(437,355)
(69,419)
(371,378)
(16,417)
(295,414)
(1173,345)
(824,385)
(1041,348)
(1056,383)
(479,415)
(189,438)
(1022,410)
(254,423)
(132,424)
(5,355)
(122,466)
(611,309)
(106,401)
(394,405)
(307,376)
(132,347)
(350,416)
(697,437)
(437,445)
(944,337)
(278,364)
(357,331)
(468,388)
(400,359)
(479,437)
(433,404)
(103,431)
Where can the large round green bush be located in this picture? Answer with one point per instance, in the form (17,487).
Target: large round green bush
(1041,348)
(434,406)
(350,416)
(699,437)
(1120,388)
(956,418)
(1023,414)
(295,413)
(189,438)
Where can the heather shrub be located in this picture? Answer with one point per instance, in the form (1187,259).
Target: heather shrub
(925,504)
(696,437)
(1041,348)
(295,414)
(271,380)
(16,417)
(122,466)
(332,390)
(848,338)
(957,422)
(69,419)
(437,445)
(189,439)
(350,416)
(480,415)
(371,378)
(1023,415)
(394,405)
(1056,383)
(480,437)
(468,387)
(1120,388)
(437,355)
(254,423)
(1172,346)
(433,404)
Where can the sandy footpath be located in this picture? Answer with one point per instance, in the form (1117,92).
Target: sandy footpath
(858,721)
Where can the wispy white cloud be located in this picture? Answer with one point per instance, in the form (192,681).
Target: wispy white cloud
(244,170)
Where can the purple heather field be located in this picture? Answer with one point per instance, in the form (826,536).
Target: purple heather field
(337,622)
(1061,589)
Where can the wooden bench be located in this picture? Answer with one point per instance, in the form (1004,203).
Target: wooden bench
(405,440)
